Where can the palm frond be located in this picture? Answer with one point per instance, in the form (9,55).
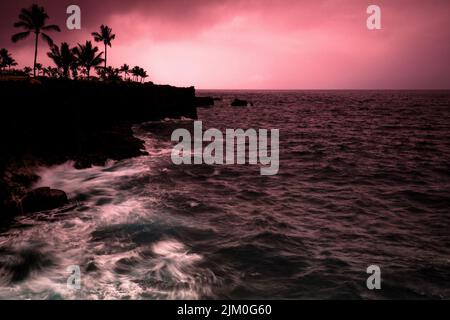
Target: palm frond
(52,27)
(105,35)
(25,14)
(98,59)
(34,19)
(26,19)
(23,24)
(47,39)
(20,36)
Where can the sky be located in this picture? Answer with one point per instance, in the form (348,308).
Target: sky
(259,44)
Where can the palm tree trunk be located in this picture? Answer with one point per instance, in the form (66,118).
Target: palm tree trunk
(106,49)
(35,53)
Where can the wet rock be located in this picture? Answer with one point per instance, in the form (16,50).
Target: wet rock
(90,129)
(239,103)
(91,266)
(204,101)
(43,199)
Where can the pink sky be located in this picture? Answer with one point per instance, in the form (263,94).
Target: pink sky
(262,44)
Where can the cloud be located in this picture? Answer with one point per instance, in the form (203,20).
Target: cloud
(263,43)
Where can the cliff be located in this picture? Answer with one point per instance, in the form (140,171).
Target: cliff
(49,122)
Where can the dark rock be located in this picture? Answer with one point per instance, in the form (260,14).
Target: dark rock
(91,266)
(7,207)
(239,103)
(204,101)
(87,122)
(43,199)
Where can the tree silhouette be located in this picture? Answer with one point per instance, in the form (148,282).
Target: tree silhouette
(125,69)
(143,74)
(6,60)
(2,62)
(33,20)
(62,57)
(135,72)
(105,35)
(87,57)
(37,68)
(138,72)
(11,63)
(74,69)
(109,73)
(54,72)
(27,70)
(47,71)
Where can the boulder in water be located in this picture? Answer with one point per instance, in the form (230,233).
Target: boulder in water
(239,103)
(43,199)
(204,101)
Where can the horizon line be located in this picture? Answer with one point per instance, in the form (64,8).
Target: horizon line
(327,89)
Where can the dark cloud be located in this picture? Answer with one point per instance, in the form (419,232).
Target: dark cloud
(189,13)
(324,40)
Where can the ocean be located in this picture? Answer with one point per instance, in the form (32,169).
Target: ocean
(364,179)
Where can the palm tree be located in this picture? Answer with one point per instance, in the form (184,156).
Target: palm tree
(63,58)
(135,72)
(10,63)
(5,57)
(47,71)
(143,74)
(6,60)
(74,69)
(34,20)
(125,69)
(38,67)
(101,72)
(109,73)
(87,57)
(83,71)
(104,36)
(27,70)
(54,72)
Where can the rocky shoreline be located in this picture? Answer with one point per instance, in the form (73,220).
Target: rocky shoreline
(49,122)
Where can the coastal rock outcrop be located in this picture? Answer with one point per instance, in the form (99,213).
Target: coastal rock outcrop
(239,103)
(43,199)
(88,122)
(204,101)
